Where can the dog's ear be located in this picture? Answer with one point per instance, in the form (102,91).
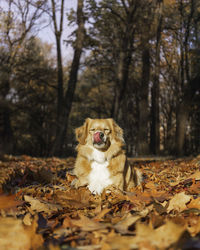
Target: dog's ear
(82,132)
(117,132)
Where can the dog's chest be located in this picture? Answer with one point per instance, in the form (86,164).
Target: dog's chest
(99,177)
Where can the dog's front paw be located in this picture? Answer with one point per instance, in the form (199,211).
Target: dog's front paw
(98,156)
(74,183)
(95,188)
(108,156)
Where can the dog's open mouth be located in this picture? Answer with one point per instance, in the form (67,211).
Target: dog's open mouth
(98,138)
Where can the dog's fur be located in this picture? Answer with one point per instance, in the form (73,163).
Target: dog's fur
(101,161)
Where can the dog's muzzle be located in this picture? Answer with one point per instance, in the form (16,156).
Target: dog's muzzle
(98,137)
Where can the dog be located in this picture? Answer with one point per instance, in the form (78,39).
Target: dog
(101,162)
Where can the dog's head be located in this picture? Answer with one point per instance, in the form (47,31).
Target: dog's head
(99,133)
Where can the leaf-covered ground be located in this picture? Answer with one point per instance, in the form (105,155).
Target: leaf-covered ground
(39,209)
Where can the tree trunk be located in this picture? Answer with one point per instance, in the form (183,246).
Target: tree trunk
(155,122)
(124,58)
(59,77)
(169,137)
(155,113)
(124,63)
(6,134)
(183,110)
(188,86)
(181,125)
(142,141)
(69,95)
(58,28)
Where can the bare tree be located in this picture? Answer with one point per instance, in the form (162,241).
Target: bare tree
(188,84)
(58,30)
(127,19)
(142,139)
(67,97)
(155,92)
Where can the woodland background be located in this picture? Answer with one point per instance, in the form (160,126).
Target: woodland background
(135,61)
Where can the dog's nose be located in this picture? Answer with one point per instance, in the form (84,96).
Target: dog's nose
(101,135)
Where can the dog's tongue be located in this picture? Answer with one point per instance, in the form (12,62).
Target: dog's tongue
(97,137)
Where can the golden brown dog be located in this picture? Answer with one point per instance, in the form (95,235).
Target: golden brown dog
(101,161)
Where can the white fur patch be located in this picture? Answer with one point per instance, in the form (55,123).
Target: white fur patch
(98,156)
(99,177)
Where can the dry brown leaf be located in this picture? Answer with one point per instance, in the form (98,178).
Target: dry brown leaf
(139,197)
(194,188)
(150,185)
(14,236)
(101,214)
(87,224)
(195,176)
(193,226)
(70,177)
(160,196)
(120,242)
(36,239)
(67,222)
(177,181)
(41,206)
(144,212)
(127,220)
(178,202)
(76,198)
(9,202)
(160,238)
(62,232)
(27,219)
(194,203)
(100,222)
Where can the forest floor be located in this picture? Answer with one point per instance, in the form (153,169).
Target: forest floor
(39,209)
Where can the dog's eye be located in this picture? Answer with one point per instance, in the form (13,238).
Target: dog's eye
(92,129)
(106,130)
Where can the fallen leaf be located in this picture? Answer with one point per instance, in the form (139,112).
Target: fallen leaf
(178,202)
(161,237)
(150,185)
(101,214)
(159,207)
(160,196)
(194,203)
(35,239)
(41,206)
(137,219)
(195,176)
(62,232)
(193,225)
(76,198)
(87,224)
(12,235)
(194,188)
(144,212)
(67,222)
(27,219)
(15,236)
(139,198)
(70,177)
(125,222)
(9,202)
